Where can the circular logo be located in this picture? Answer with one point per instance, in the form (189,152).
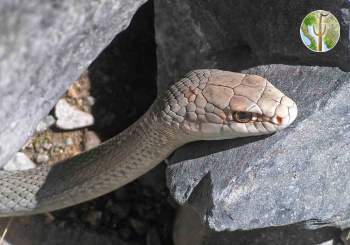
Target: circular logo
(320,31)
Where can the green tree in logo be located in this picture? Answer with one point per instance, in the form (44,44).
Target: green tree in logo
(320,31)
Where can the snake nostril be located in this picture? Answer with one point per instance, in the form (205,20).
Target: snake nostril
(279,119)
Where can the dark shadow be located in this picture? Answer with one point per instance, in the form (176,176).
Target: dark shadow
(123,77)
(294,234)
(188,221)
(211,147)
(123,83)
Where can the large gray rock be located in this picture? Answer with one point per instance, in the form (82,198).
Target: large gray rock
(234,35)
(44,46)
(296,175)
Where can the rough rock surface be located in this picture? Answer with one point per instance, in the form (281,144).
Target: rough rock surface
(298,174)
(44,46)
(234,35)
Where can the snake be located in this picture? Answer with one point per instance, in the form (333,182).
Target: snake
(206,104)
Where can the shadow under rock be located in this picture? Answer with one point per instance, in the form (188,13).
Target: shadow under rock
(204,148)
(295,234)
(123,77)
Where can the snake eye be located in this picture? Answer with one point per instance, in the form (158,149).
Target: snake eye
(243,117)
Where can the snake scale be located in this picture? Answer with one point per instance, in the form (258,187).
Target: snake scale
(204,105)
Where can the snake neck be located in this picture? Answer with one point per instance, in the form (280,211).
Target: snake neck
(145,143)
(118,161)
(103,169)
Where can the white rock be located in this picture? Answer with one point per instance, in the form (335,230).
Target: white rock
(69,117)
(42,158)
(91,140)
(91,100)
(46,123)
(69,141)
(19,162)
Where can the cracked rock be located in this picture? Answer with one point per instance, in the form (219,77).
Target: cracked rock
(296,175)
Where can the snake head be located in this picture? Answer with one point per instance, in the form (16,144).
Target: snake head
(214,104)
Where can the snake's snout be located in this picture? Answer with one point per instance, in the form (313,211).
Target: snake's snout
(285,114)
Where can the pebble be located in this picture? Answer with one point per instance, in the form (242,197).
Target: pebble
(69,142)
(91,140)
(47,146)
(91,100)
(70,117)
(42,158)
(19,162)
(45,124)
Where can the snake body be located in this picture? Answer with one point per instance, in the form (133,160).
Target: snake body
(204,105)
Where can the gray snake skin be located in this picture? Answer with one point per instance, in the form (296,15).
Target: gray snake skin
(204,105)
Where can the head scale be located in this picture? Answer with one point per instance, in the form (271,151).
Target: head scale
(214,104)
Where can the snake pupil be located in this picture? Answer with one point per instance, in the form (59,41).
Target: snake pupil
(243,117)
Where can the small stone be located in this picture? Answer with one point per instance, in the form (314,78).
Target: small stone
(69,142)
(45,124)
(91,100)
(19,162)
(73,90)
(69,117)
(153,237)
(47,146)
(42,158)
(91,140)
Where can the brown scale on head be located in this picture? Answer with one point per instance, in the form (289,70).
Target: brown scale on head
(214,104)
